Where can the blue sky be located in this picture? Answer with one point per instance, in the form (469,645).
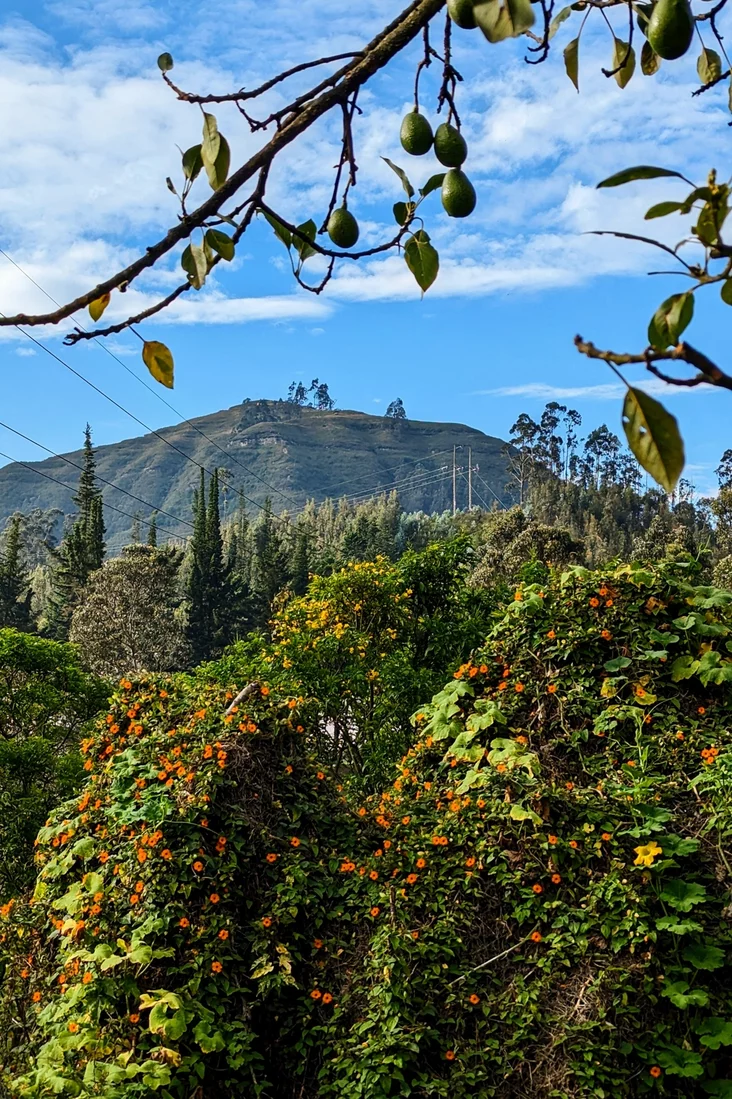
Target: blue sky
(90,134)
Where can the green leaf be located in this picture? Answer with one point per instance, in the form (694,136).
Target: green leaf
(192,162)
(217,170)
(617,664)
(671,318)
(704,956)
(402,211)
(520,812)
(402,175)
(653,436)
(194,263)
(622,55)
(722,1089)
(432,184)
(683,895)
(303,247)
(684,667)
(221,243)
(714,1032)
(165,62)
(211,139)
(676,1061)
(726,292)
(501,19)
(557,21)
(571,61)
(680,996)
(97,307)
(709,65)
(159,361)
(176,1027)
(661,209)
(422,259)
(281,230)
(650,61)
(629,175)
(676,926)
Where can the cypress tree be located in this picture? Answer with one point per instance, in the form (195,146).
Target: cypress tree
(15,593)
(152,531)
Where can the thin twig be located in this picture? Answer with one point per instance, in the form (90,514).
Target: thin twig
(242,95)
(709,372)
(490,961)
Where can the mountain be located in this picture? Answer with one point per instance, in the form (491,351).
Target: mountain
(270,448)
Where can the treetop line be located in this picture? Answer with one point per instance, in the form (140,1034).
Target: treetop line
(211,232)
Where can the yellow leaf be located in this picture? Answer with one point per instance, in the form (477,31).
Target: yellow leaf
(98,306)
(159,361)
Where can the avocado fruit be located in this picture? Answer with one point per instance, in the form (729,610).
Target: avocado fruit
(458,194)
(343,228)
(461,13)
(671,28)
(450,146)
(416,134)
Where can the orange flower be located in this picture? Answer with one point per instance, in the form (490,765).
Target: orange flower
(73,1027)
(655,1071)
(134,899)
(480,803)
(606,836)
(134,1018)
(536,888)
(556,878)
(288,769)
(141,855)
(450,1055)
(551,635)
(166,854)
(327,998)
(362,812)
(271,857)
(552,688)
(223,935)
(701,710)
(216,967)
(375,911)
(103,857)
(569,785)
(606,635)
(474,999)
(421,863)
(140,885)
(470,861)
(87,979)
(502,685)
(594,602)
(679,735)
(198,866)
(267,921)
(406,820)
(316,994)
(411,879)
(415,934)
(608,602)
(295,842)
(519,688)
(535,936)
(573,844)
(264,691)
(184,922)
(214,898)
(374,875)
(36,997)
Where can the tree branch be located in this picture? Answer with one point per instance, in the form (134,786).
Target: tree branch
(376,55)
(709,372)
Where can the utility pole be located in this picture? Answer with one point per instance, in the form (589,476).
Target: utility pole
(470,478)
(454,480)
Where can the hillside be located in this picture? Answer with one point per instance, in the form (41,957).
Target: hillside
(300,453)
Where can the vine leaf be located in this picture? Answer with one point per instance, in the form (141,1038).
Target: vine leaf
(159,361)
(422,259)
(643,171)
(653,436)
(571,61)
(97,307)
(402,175)
(669,321)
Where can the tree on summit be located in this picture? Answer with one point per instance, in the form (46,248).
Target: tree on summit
(210,232)
(396,410)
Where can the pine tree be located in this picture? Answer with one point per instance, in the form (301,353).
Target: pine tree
(82,550)
(152,531)
(15,592)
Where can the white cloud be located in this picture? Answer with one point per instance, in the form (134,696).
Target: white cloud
(608,392)
(25,352)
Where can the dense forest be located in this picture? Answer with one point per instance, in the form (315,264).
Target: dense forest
(364,803)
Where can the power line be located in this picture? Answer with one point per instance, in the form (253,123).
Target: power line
(72,489)
(351,481)
(110,484)
(401,486)
(154,391)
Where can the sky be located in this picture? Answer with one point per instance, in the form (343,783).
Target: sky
(89,133)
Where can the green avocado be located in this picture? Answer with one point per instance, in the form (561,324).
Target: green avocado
(450,147)
(416,134)
(461,13)
(458,194)
(343,228)
(671,28)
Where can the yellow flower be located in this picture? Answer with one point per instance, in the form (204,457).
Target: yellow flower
(647,854)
